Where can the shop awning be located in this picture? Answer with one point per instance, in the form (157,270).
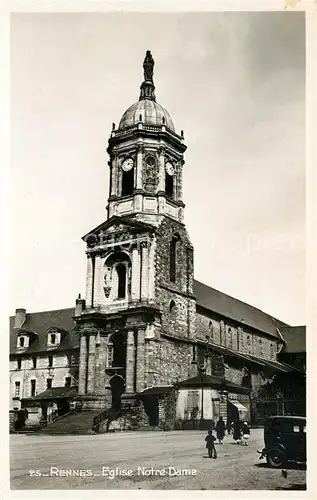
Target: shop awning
(239,406)
(156,391)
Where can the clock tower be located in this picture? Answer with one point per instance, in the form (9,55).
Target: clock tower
(146,159)
(136,326)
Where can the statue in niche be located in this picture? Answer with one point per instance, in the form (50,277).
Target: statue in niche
(150,171)
(107,282)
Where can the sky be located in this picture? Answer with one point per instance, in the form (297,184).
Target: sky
(234,82)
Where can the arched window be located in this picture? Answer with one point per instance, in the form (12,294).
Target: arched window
(169,185)
(122,278)
(173,250)
(172,307)
(127,182)
(271,351)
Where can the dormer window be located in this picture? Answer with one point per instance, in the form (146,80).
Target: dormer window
(23,341)
(53,338)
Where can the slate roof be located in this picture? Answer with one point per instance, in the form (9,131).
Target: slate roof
(227,306)
(39,322)
(295,338)
(225,351)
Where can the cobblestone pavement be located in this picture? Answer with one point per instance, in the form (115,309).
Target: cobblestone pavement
(236,468)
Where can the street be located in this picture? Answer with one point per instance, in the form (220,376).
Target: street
(144,460)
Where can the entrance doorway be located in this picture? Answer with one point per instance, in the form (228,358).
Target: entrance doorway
(117,389)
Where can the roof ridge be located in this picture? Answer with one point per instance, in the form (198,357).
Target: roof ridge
(49,311)
(242,302)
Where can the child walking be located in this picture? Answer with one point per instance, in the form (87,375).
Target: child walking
(245,433)
(210,445)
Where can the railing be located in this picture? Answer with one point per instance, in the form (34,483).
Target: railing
(100,418)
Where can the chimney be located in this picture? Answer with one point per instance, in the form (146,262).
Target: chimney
(80,306)
(20,317)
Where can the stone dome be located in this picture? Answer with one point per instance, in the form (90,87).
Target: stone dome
(151,112)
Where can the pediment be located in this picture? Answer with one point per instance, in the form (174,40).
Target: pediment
(119,226)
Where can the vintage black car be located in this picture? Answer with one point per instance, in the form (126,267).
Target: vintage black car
(284,440)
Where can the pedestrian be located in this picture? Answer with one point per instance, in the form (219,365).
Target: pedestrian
(220,429)
(210,445)
(245,429)
(237,432)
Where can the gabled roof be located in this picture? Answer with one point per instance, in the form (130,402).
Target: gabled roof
(39,323)
(295,338)
(229,307)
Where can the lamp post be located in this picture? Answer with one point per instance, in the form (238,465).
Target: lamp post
(202,371)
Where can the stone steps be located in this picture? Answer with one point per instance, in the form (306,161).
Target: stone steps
(72,423)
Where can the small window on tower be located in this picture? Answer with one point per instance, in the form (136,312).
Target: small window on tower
(122,277)
(169,185)
(173,256)
(21,343)
(169,179)
(127,177)
(48,383)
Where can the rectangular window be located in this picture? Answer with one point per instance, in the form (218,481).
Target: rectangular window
(69,360)
(50,361)
(34,360)
(110,355)
(33,387)
(192,407)
(17,389)
(48,383)
(19,364)
(68,381)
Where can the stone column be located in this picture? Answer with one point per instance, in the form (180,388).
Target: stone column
(130,363)
(82,376)
(179,191)
(139,166)
(89,280)
(151,287)
(144,270)
(98,285)
(140,368)
(91,363)
(135,280)
(161,183)
(101,366)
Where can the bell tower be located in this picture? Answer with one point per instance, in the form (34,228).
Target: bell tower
(139,287)
(146,159)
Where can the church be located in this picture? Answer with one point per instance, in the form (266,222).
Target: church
(148,346)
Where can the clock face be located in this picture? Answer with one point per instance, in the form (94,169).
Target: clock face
(169,167)
(127,164)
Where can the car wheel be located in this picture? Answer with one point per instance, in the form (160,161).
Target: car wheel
(275,458)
